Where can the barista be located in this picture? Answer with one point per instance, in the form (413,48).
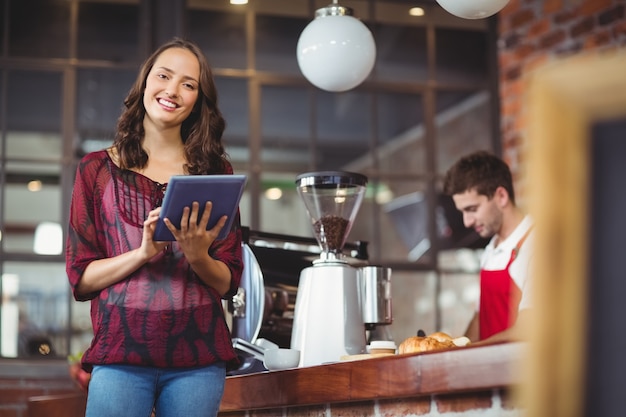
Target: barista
(481,186)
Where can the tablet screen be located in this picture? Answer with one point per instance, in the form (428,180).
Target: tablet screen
(224,191)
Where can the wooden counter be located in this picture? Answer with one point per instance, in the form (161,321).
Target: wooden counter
(460,370)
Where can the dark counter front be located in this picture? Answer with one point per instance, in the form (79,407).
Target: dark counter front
(472,369)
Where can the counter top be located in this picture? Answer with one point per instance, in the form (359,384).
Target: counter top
(472,368)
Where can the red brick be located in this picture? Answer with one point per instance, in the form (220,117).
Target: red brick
(510,399)
(598,40)
(551,6)
(521,18)
(619,29)
(524,51)
(589,7)
(270,412)
(583,27)
(552,40)
(464,402)
(564,16)
(359,409)
(610,16)
(404,407)
(538,28)
(511,8)
(310,411)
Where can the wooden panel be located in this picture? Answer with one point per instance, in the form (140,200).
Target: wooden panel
(566,98)
(473,368)
(65,405)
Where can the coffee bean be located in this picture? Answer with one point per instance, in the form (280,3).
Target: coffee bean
(331,232)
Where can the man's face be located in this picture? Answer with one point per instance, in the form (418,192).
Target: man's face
(479,212)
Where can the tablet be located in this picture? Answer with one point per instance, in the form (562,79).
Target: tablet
(224,191)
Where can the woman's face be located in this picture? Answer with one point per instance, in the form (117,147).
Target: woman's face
(172,88)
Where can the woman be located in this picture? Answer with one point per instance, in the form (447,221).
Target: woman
(160,337)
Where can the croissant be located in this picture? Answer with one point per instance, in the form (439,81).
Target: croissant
(434,341)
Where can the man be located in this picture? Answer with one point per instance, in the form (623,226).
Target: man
(481,186)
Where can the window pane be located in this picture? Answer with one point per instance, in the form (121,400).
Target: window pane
(459,293)
(400,210)
(462,56)
(463,125)
(417,292)
(401,53)
(100,38)
(276,43)
(36,101)
(39,28)
(35,310)
(233,102)
(287,214)
(344,129)
(100,100)
(401,135)
(285,127)
(221,35)
(32,209)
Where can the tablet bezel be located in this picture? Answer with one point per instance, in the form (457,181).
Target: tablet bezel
(182,190)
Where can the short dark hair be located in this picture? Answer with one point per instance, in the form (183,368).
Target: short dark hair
(481,171)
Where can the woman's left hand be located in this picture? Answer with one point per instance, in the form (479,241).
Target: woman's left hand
(193,238)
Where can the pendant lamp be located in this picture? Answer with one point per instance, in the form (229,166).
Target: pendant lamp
(473,9)
(336,51)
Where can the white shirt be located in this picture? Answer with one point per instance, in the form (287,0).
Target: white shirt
(497,258)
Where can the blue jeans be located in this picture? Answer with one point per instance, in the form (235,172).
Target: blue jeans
(133,391)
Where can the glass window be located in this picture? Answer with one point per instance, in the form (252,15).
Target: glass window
(108,31)
(276,43)
(35,310)
(401,133)
(399,210)
(462,56)
(32,209)
(417,293)
(233,102)
(39,28)
(286,128)
(459,293)
(100,101)
(463,124)
(283,208)
(221,35)
(344,129)
(400,53)
(36,101)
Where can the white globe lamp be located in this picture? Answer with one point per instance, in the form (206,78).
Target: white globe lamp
(473,9)
(336,51)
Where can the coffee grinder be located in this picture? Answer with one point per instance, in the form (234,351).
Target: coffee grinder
(328,317)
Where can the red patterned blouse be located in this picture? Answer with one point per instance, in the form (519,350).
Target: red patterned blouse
(162,315)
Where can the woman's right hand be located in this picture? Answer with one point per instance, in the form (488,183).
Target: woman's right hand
(149,246)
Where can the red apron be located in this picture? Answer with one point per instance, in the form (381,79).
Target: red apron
(499,297)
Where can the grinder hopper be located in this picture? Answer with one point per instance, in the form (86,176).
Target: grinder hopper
(332,199)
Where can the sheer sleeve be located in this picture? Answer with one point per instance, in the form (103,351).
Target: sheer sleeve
(82,237)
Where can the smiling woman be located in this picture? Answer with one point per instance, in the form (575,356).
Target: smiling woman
(160,334)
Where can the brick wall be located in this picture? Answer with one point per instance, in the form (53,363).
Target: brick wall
(535,32)
(472,404)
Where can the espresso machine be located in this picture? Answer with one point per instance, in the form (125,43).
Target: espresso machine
(329,309)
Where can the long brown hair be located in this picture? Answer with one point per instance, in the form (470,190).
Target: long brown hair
(201,132)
